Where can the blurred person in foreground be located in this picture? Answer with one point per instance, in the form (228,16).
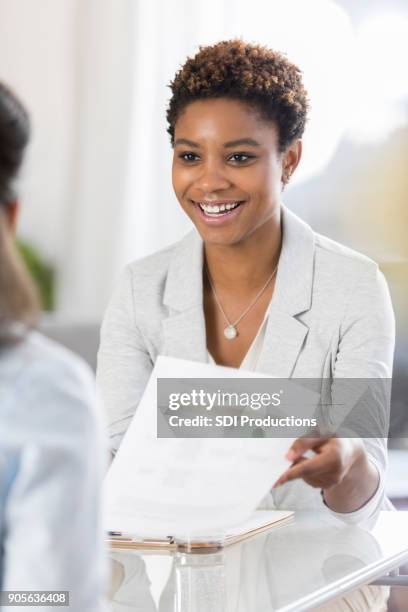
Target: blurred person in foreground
(51,463)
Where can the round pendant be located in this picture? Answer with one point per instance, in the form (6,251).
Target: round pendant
(230,332)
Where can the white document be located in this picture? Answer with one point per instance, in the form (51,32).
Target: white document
(192,487)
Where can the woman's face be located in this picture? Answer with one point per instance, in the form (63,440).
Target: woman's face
(227,169)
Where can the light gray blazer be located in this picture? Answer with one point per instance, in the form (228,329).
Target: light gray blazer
(330,316)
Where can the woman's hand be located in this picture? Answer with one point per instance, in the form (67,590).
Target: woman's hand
(340,468)
(332,461)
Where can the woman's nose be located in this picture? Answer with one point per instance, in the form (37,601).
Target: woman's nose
(212,178)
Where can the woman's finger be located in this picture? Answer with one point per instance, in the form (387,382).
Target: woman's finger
(308,468)
(302,445)
(291,472)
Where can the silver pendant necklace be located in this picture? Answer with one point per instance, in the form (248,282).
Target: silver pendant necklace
(231,332)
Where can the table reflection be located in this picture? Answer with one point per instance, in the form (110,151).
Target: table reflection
(264,573)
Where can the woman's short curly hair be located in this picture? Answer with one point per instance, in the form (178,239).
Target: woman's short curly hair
(257,75)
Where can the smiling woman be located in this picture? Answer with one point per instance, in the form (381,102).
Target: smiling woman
(236,117)
(254,287)
(228,177)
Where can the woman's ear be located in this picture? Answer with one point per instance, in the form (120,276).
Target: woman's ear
(11,210)
(290,161)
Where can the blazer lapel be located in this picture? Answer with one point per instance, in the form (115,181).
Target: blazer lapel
(185,336)
(184,328)
(285,334)
(284,338)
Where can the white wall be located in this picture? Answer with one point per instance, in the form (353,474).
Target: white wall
(106,53)
(71,63)
(38,61)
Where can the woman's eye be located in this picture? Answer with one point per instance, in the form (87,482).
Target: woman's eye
(188,157)
(240,157)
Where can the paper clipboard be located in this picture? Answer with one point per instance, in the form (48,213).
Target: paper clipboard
(259,522)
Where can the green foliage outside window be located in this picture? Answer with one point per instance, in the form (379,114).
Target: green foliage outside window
(41,272)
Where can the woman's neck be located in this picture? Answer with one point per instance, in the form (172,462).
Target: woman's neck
(247,264)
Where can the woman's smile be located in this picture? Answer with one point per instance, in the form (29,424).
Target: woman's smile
(218,212)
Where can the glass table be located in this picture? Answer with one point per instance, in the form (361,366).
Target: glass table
(312,561)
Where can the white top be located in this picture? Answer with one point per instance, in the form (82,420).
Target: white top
(51,469)
(250,361)
(375,504)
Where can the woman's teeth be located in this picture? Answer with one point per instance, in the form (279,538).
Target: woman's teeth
(217,210)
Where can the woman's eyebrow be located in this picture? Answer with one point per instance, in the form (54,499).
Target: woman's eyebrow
(185,141)
(228,145)
(242,141)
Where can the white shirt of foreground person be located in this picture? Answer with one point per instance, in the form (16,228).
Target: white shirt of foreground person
(330,318)
(51,471)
